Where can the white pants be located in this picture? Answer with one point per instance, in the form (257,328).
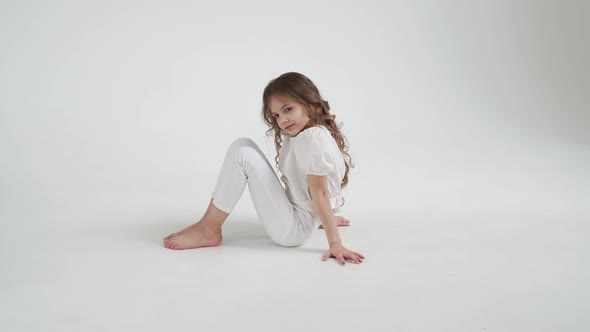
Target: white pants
(286,224)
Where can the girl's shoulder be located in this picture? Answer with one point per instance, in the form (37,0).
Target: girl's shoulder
(315,132)
(316,138)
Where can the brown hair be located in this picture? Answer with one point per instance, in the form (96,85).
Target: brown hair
(302,89)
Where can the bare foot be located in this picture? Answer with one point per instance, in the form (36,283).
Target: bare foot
(340,221)
(194,236)
(182,231)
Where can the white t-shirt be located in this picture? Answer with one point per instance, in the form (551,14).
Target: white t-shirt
(312,151)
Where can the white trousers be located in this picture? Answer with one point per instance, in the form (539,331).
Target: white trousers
(287,224)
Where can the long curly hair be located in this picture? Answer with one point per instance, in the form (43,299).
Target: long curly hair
(300,88)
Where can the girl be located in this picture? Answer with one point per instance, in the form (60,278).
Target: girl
(311,155)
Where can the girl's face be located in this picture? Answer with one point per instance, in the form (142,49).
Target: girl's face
(290,115)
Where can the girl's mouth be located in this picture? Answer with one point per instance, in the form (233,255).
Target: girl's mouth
(291,126)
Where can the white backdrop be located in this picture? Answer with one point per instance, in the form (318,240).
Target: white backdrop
(448,105)
(468,121)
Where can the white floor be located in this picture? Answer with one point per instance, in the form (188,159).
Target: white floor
(106,270)
(468,122)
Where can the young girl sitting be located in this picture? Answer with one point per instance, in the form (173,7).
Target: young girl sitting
(311,155)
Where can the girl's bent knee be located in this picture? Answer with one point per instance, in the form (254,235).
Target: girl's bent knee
(242,141)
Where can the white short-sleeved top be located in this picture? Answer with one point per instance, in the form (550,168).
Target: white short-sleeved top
(312,151)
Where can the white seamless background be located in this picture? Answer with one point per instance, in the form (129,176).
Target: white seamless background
(113,108)
(446,104)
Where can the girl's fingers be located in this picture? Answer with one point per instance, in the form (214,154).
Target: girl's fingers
(342,257)
(355,257)
(347,256)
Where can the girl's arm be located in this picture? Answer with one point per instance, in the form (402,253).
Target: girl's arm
(318,189)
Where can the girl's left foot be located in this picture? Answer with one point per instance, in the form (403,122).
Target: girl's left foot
(340,221)
(194,236)
(182,231)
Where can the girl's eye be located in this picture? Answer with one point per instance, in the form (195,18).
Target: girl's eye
(276,115)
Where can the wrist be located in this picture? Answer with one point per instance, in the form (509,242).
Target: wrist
(335,244)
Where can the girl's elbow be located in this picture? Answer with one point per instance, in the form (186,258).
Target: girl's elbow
(319,194)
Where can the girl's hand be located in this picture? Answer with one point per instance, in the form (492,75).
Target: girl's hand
(341,254)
